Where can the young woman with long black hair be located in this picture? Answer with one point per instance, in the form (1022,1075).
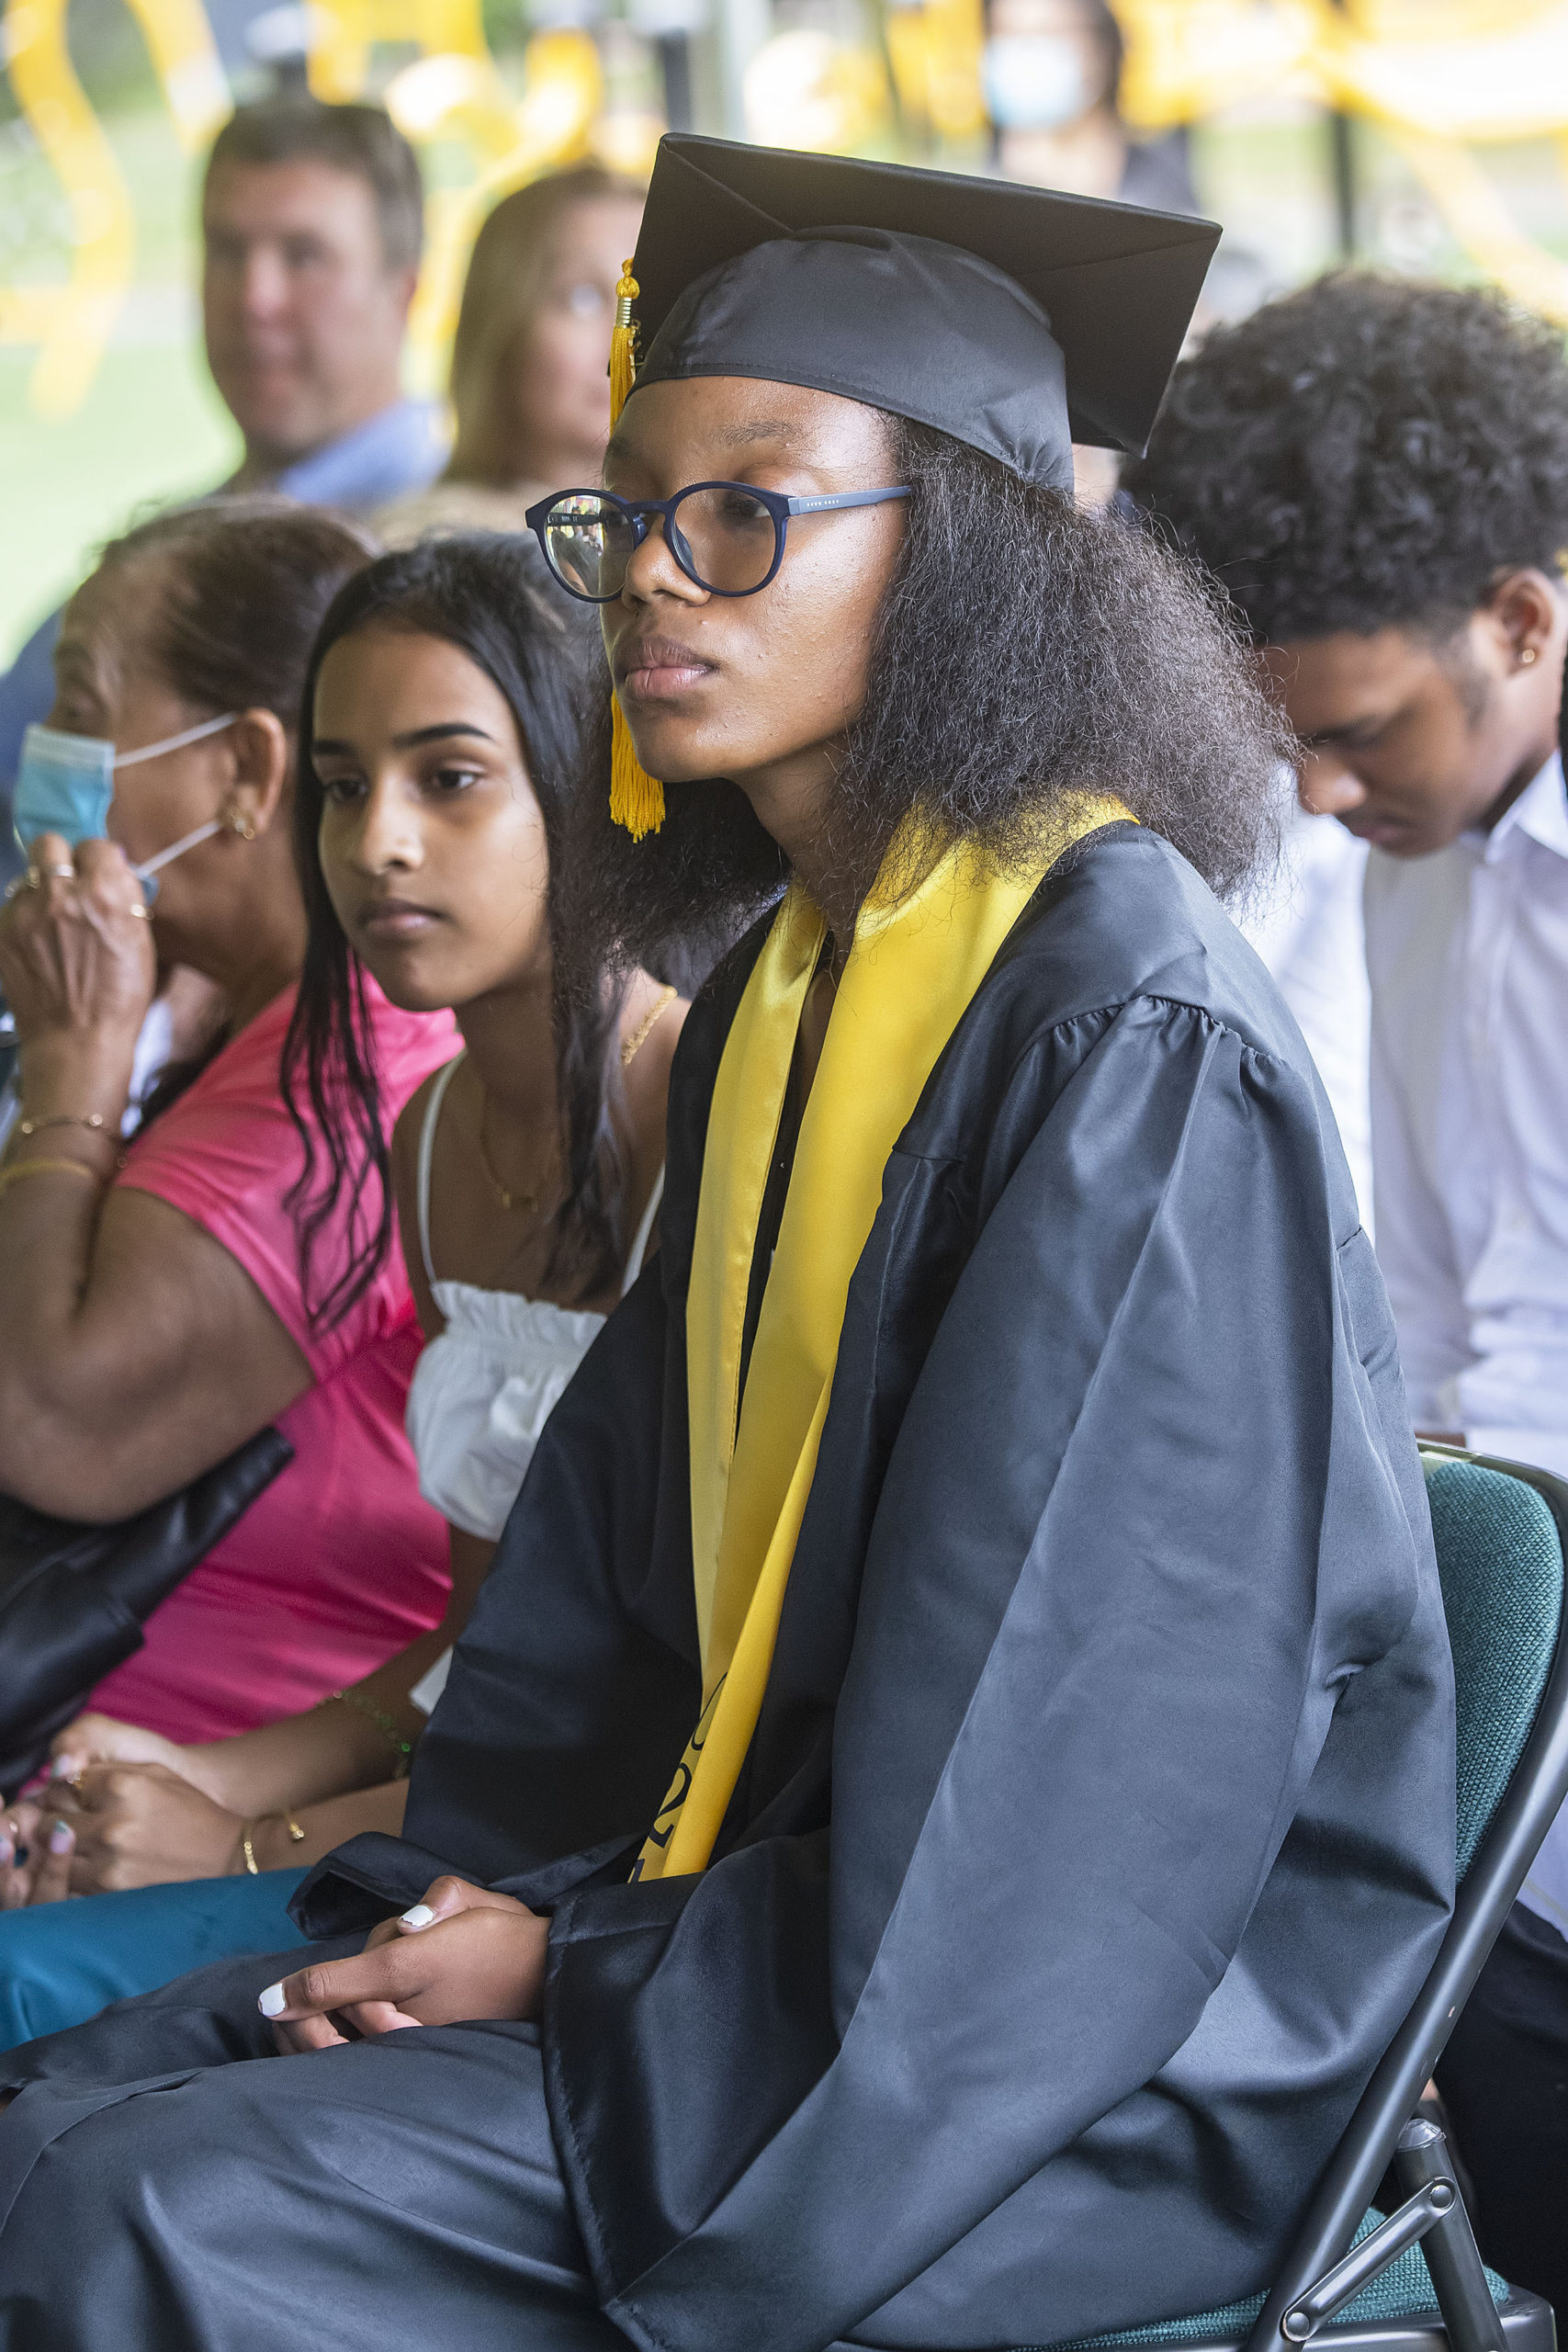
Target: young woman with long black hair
(437,840)
(948,1786)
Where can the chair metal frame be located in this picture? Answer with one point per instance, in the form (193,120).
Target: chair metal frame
(1319,2276)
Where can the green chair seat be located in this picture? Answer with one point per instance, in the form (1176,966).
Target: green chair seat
(1402,2291)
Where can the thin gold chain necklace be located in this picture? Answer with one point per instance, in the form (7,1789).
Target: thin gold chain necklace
(527,1202)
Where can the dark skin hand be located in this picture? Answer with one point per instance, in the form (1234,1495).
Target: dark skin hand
(1411,741)
(462,1953)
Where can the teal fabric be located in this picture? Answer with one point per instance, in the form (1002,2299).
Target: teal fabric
(62,1962)
(1501,1567)
(1403,2290)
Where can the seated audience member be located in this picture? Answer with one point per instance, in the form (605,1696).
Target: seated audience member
(530,398)
(154,1312)
(824,1946)
(1306,924)
(434,827)
(1379,473)
(312,221)
(1053,78)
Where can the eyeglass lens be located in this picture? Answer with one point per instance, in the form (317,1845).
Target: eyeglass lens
(726,538)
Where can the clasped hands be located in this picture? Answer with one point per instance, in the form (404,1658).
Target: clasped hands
(462,1955)
(124,1809)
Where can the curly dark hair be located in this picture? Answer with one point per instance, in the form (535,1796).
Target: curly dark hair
(1026,653)
(483,593)
(1366,453)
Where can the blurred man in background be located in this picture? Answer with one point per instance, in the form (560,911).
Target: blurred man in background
(313,221)
(1378,471)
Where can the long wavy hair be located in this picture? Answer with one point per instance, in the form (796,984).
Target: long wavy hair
(478,593)
(1027,653)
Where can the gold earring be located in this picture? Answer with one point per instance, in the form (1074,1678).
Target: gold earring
(1527,655)
(239,824)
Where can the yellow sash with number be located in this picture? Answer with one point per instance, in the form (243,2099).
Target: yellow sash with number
(912,969)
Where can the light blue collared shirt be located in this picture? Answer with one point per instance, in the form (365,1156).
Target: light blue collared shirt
(400,449)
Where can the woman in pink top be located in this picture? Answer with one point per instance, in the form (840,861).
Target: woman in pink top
(338,1563)
(154,1314)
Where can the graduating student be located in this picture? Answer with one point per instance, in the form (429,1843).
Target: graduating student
(1378,473)
(947,1789)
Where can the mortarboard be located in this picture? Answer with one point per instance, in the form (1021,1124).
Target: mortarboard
(1016,319)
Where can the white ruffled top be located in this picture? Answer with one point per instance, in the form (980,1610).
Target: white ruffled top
(484,1389)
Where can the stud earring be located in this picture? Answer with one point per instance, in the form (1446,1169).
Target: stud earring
(239,824)
(1527,655)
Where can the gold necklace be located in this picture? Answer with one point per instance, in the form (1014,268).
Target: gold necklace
(527,1202)
(631,1045)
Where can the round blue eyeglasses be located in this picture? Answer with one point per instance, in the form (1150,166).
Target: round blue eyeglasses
(727,536)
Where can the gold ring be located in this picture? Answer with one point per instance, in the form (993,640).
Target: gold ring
(139,913)
(74,1780)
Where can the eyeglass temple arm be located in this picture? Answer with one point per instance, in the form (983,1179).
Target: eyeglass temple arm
(844,498)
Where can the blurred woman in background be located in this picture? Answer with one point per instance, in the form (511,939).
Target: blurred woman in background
(154,1313)
(442,852)
(530,394)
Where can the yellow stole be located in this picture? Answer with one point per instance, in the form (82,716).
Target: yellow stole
(912,971)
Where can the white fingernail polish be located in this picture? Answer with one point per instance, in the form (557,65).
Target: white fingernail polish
(63,1767)
(273,2002)
(420,1916)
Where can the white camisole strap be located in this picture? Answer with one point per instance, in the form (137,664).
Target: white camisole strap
(639,1246)
(426,1149)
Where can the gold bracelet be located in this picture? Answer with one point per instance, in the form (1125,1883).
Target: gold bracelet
(21,1168)
(247,1831)
(95,1119)
(296,1835)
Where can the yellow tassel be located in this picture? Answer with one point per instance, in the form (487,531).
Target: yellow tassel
(636,799)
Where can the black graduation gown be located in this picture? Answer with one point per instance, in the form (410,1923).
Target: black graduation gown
(1098,1829)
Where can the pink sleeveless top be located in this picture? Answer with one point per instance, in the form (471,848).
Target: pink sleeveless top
(340,1563)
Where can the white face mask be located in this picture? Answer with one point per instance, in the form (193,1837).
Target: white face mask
(1034,81)
(66,783)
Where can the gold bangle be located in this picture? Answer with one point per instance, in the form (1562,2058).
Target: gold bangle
(21,1168)
(247,1831)
(95,1119)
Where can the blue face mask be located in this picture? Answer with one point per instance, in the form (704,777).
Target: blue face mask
(66,783)
(1034,81)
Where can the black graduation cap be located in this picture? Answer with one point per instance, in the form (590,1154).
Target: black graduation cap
(1016,319)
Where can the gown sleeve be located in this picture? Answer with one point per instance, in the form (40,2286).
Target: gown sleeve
(1151,1513)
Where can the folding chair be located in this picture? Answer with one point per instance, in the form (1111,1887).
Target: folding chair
(1414,2282)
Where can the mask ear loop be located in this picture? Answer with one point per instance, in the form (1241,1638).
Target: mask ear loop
(175,742)
(146,873)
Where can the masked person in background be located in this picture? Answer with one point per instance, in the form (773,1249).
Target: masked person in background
(530,398)
(444,854)
(1052,71)
(313,221)
(153,1311)
(927,1856)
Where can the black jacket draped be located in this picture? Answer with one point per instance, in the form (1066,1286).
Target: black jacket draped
(1097,1828)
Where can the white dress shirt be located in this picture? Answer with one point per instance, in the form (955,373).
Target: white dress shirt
(1468,953)
(1307,929)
